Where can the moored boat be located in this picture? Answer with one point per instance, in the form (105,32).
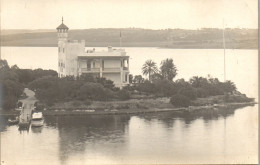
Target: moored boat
(13,121)
(37,119)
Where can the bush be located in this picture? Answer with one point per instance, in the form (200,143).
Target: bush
(123,94)
(76,103)
(87,102)
(201,93)
(180,101)
(188,92)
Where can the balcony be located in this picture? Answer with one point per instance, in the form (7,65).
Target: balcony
(111,69)
(97,70)
(89,70)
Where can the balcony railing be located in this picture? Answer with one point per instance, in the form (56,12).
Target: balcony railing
(86,70)
(111,69)
(89,69)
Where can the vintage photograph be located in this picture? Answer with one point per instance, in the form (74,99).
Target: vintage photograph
(128,82)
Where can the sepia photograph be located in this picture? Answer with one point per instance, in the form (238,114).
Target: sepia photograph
(128,82)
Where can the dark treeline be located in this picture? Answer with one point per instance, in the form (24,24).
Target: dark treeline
(50,89)
(184,91)
(86,88)
(160,83)
(13,80)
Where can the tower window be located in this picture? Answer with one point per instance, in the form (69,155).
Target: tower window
(59,49)
(94,64)
(63,50)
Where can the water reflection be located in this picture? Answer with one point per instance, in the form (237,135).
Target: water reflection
(172,137)
(3,122)
(36,129)
(168,118)
(78,132)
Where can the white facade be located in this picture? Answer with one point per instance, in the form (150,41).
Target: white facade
(73,60)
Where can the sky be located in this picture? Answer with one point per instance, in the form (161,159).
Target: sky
(150,14)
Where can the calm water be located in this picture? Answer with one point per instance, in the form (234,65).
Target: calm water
(155,138)
(230,137)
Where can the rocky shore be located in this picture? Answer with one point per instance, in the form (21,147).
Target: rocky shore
(216,107)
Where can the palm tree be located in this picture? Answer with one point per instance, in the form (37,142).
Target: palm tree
(149,68)
(168,69)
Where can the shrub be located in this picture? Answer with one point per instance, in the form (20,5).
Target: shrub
(76,103)
(93,91)
(123,94)
(180,101)
(201,93)
(147,87)
(87,102)
(188,92)
(164,87)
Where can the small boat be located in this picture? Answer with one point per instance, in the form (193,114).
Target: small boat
(24,124)
(37,119)
(13,121)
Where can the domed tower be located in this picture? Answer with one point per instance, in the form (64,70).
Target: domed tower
(62,31)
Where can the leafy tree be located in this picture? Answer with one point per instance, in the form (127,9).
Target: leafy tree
(228,86)
(164,87)
(4,65)
(198,82)
(123,94)
(147,87)
(138,79)
(156,76)
(11,88)
(168,69)
(181,83)
(149,68)
(188,92)
(87,77)
(106,83)
(93,91)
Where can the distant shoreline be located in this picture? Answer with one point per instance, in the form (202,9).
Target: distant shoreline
(52,46)
(206,38)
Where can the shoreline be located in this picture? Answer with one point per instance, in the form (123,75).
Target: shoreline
(208,108)
(153,110)
(144,111)
(158,47)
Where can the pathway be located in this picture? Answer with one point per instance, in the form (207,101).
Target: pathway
(28,106)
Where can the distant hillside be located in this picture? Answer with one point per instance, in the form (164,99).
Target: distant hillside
(134,37)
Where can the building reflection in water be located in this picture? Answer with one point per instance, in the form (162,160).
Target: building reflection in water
(77,134)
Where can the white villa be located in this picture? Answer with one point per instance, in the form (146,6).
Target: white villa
(73,60)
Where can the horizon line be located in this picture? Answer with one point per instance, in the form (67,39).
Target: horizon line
(141,28)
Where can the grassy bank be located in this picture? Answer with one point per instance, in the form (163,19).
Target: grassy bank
(145,105)
(219,107)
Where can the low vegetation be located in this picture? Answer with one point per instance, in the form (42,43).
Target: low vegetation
(86,89)
(13,80)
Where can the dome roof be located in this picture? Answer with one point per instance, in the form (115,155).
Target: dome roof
(62,26)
